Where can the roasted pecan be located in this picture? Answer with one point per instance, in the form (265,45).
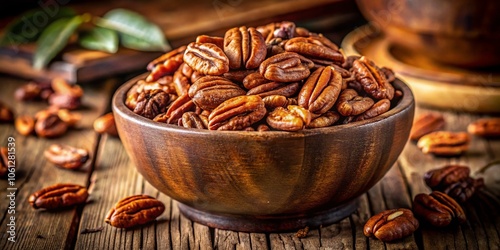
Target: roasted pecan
(28,92)
(6,114)
(65,101)
(486,127)
(61,86)
(4,161)
(284,67)
(389,74)
(65,156)
(274,101)
(315,48)
(70,118)
(105,124)
(253,80)
(206,58)
(177,108)
(244,47)
(192,120)
(444,143)
(24,124)
(438,209)
(219,41)
(48,124)
(59,196)
(349,61)
(282,30)
(426,123)
(377,109)
(321,90)
(134,210)
(150,103)
(324,120)
(350,103)
(237,113)
(291,118)
(372,79)
(239,75)
(463,190)
(439,179)
(210,91)
(181,83)
(275,88)
(391,224)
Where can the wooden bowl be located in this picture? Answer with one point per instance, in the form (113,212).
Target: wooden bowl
(463,33)
(265,181)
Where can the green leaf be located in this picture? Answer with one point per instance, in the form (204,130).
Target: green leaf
(132,24)
(28,27)
(53,39)
(100,39)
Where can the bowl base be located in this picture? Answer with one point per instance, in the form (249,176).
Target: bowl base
(268,224)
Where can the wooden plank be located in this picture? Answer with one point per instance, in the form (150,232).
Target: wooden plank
(39,229)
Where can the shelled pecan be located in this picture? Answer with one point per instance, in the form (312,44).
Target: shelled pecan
(391,224)
(134,211)
(65,156)
(485,127)
(426,123)
(59,196)
(438,209)
(444,143)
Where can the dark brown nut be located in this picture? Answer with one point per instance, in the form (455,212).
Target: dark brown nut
(192,120)
(4,161)
(150,103)
(48,124)
(463,190)
(61,86)
(65,156)
(349,61)
(244,47)
(181,83)
(350,103)
(325,120)
(210,91)
(439,179)
(282,30)
(219,41)
(275,88)
(106,124)
(24,124)
(284,67)
(254,80)
(6,114)
(65,101)
(28,92)
(178,107)
(291,118)
(59,196)
(438,209)
(274,101)
(389,74)
(444,143)
(238,75)
(314,48)
(426,123)
(377,109)
(372,79)
(70,118)
(321,90)
(486,127)
(206,58)
(237,113)
(134,211)
(166,63)
(391,225)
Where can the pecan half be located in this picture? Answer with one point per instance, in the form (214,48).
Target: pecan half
(274,101)
(150,103)
(206,58)
(6,114)
(59,196)
(24,124)
(350,103)
(181,82)
(463,190)
(65,156)
(48,124)
(377,109)
(237,113)
(134,210)
(166,58)
(291,118)
(192,120)
(244,47)
(324,120)
(219,41)
(70,118)
(105,124)
(485,127)
(444,143)
(178,107)
(61,86)
(238,75)
(439,179)
(321,90)
(208,92)
(284,67)
(438,209)
(253,80)
(275,88)
(315,48)
(372,79)
(391,224)
(426,123)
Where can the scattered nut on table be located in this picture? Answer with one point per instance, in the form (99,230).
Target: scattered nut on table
(438,209)
(444,143)
(134,210)
(485,127)
(391,224)
(426,123)
(65,156)
(59,196)
(106,125)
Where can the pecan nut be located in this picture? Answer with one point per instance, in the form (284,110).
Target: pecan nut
(426,123)
(372,79)
(6,114)
(350,103)
(59,196)
(61,86)
(244,47)
(321,90)
(65,101)
(28,92)
(170,60)
(291,118)
(48,124)
(208,92)
(70,118)
(284,67)
(254,80)
(391,225)
(377,109)
(274,101)
(444,143)
(65,156)
(438,209)
(486,127)
(315,47)
(219,41)
(324,120)
(237,113)
(206,58)
(150,103)
(105,124)
(24,124)
(275,88)
(181,82)
(134,211)
(439,179)
(463,190)
(192,120)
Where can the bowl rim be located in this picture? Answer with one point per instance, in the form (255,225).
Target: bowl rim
(120,109)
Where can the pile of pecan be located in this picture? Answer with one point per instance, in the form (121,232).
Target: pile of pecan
(273,77)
